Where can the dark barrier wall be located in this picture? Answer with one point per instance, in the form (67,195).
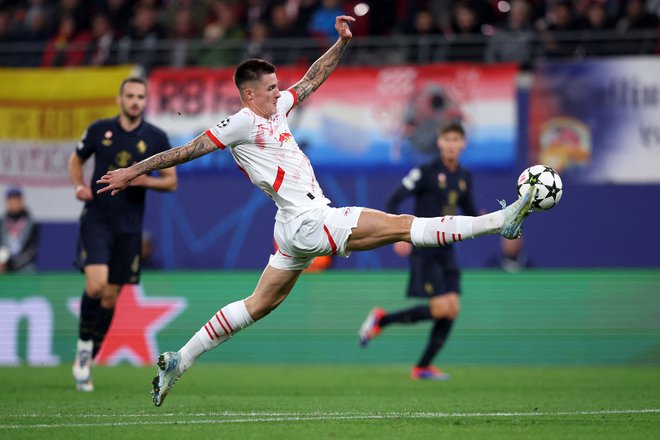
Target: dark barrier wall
(224,222)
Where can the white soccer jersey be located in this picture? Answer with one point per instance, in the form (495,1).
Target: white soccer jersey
(266,151)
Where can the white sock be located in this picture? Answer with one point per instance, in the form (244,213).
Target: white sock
(229,320)
(442,231)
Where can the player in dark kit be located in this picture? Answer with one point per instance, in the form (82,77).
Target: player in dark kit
(438,188)
(111,227)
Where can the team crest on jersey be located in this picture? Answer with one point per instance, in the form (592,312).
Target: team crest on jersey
(442,180)
(223,123)
(285,136)
(141,146)
(462,185)
(107,139)
(123,159)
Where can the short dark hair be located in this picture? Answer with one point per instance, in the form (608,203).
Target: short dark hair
(132,79)
(250,70)
(452,127)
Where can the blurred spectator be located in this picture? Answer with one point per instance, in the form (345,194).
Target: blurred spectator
(140,45)
(511,257)
(181,34)
(222,35)
(466,42)
(282,24)
(322,23)
(80,10)
(257,46)
(19,235)
(119,13)
(514,42)
(638,29)
(428,47)
(557,31)
(68,46)
(33,31)
(6,36)
(101,51)
(595,41)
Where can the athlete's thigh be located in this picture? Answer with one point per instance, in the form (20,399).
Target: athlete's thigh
(95,241)
(377,228)
(125,259)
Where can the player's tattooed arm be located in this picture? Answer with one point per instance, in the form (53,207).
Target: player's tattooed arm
(118,180)
(199,146)
(326,64)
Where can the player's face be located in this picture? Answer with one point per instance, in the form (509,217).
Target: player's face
(132,100)
(451,145)
(263,95)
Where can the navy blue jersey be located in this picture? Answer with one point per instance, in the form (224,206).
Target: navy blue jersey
(437,192)
(114,148)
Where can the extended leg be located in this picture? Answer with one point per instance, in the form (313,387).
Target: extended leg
(273,288)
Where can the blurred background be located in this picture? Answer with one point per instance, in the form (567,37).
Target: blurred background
(571,84)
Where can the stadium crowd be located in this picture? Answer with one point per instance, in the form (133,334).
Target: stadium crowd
(221,32)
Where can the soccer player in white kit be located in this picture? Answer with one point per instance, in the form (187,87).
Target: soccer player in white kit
(259,139)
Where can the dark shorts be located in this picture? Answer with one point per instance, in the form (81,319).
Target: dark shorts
(120,252)
(433,274)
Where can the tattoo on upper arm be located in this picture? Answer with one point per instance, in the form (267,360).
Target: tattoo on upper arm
(199,146)
(319,71)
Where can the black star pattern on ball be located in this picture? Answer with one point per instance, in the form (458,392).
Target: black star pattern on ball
(533,179)
(553,190)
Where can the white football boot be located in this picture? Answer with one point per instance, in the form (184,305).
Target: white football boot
(82,365)
(516,213)
(168,374)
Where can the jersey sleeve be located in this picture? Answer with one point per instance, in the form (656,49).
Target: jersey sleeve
(85,147)
(231,131)
(288,100)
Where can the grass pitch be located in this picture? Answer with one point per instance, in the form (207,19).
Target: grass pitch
(335,402)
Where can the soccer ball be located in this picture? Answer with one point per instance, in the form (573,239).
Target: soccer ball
(548,182)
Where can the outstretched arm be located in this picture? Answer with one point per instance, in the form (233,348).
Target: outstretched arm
(118,180)
(323,67)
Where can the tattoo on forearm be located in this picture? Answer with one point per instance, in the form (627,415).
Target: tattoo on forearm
(199,146)
(320,70)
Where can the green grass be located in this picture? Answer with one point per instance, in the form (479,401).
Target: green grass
(336,402)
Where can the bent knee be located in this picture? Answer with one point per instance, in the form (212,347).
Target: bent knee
(445,306)
(95,288)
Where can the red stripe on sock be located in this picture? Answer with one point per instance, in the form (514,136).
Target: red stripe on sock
(207,331)
(460,238)
(221,324)
(213,328)
(444,240)
(226,321)
(442,219)
(453,237)
(437,237)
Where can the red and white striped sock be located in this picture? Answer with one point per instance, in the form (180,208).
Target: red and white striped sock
(229,320)
(442,231)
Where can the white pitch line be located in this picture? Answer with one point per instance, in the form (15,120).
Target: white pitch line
(293,417)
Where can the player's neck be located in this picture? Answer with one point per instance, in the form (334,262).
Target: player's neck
(257,111)
(450,164)
(129,124)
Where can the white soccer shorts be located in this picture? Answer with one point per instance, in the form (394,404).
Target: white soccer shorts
(320,231)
